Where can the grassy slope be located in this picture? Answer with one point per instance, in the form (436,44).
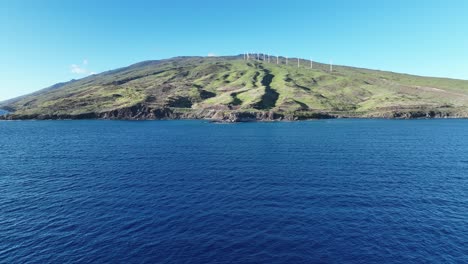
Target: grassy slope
(235,84)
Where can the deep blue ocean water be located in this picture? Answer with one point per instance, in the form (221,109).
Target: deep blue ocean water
(334,191)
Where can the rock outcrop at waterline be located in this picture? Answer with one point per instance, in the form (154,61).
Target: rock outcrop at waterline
(417,114)
(145,112)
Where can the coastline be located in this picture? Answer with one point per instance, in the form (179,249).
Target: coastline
(142,112)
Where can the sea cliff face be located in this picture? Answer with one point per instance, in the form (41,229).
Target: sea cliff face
(144,112)
(141,112)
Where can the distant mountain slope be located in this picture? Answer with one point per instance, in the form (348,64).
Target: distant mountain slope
(231,88)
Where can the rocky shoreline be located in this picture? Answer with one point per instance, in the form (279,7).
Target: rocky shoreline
(143,112)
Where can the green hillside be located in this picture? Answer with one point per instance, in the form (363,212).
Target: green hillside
(232,88)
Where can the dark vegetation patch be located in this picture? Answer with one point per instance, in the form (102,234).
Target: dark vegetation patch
(270,96)
(235,100)
(150,99)
(255,79)
(303,106)
(182,74)
(204,94)
(302,87)
(179,102)
(225,78)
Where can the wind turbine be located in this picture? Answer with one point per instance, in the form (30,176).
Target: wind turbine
(286,60)
(331,65)
(277,59)
(311,64)
(298,65)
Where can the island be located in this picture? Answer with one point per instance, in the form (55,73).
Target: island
(246,87)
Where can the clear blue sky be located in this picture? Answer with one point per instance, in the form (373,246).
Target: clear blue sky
(45,42)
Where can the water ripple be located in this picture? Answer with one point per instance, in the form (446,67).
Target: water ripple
(335,191)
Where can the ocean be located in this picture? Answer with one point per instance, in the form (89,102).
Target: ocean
(326,191)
